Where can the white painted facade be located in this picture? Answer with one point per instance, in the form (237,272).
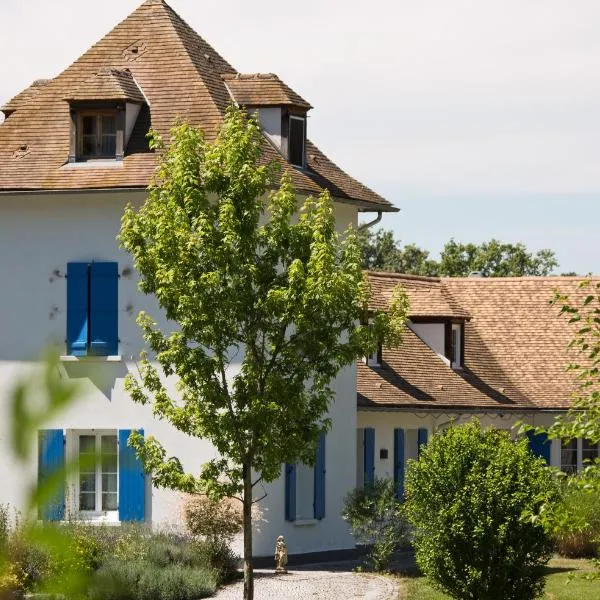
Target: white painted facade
(385,421)
(433,335)
(39,235)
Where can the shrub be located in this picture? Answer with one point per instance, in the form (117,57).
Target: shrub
(577,520)
(213,519)
(141,580)
(474,498)
(219,556)
(375,517)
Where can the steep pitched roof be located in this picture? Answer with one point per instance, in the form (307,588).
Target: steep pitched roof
(108,84)
(263,89)
(515,350)
(429,297)
(180,75)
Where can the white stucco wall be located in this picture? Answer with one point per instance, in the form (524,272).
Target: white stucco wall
(270,121)
(39,234)
(385,421)
(433,335)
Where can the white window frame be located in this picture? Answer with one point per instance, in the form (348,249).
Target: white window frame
(455,361)
(99,516)
(579,456)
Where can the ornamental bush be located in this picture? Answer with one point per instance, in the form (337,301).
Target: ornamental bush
(474,499)
(375,517)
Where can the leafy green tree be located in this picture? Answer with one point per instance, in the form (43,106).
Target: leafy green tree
(471,498)
(494,259)
(583,418)
(251,281)
(382,252)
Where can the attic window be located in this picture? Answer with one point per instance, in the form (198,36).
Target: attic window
(296,140)
(97,134)
(456,342)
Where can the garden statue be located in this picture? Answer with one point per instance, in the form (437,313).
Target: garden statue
(281,555)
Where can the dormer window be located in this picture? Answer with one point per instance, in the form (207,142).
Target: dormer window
(374,359)
(97,134)
(456,343)
(296,140)
(104,109)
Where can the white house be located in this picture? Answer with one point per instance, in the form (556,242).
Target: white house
(73,153)
(491,348)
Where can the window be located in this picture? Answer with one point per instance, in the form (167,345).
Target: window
(97,134)
(296,141)
(576,454)
(108,483)
(92,309)
(456,346)
(305,488)
(374,359)
(98,473)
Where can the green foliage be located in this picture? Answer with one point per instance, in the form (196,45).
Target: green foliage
(381,252)
(576,525)
(375,517)
(583,419)
(118,580)
(281,295)
(473,498)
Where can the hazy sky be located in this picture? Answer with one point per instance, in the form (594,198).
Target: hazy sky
(478,118)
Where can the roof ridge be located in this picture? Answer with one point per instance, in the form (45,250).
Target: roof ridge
(211,70)
(410,276)
(512,278)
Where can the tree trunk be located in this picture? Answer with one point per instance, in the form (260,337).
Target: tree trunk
(248,571)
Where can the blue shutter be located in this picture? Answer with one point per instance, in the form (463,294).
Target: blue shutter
(290,492)
(539,444)
(369,457)
(421,439)
(77,308)
(132,481)
(104,309)
(399,462)
(319,503)
(51,464)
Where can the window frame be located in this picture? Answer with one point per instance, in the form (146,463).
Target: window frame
(456,345)
(98,514)
(98,114)
(578,464)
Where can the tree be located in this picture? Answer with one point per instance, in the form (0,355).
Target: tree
(382,252)
(583,417)
(494,259)
(470,498)
(283,297)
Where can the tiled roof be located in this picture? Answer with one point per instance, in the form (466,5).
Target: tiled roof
(262,89)
(23,97)
(180,75)
(428,295)
(515,350)
(108,84)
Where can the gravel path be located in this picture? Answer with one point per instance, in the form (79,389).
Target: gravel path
(315,582)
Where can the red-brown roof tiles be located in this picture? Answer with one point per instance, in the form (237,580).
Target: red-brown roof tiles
(181,77)
(108,84)
(515,348)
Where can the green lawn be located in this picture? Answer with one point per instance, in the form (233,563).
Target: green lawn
(558,586)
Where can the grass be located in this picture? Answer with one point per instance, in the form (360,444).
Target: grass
(560,584)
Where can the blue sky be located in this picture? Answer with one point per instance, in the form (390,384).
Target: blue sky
(477,118)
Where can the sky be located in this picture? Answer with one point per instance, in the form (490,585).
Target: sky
(477,118)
